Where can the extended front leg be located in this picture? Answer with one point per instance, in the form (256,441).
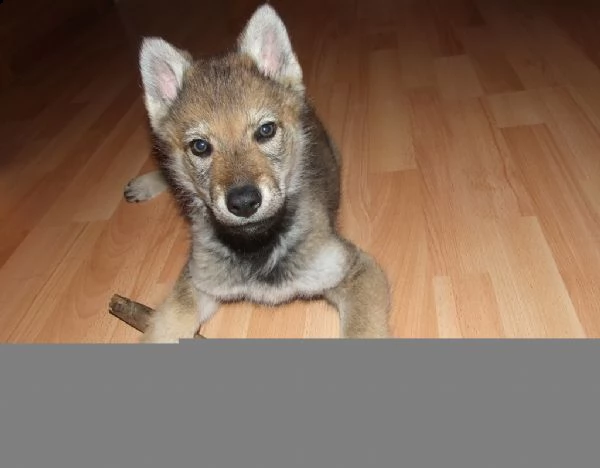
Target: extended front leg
(145,187)
(362,298)
(182,313)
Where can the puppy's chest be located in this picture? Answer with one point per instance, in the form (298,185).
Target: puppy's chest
(280,280)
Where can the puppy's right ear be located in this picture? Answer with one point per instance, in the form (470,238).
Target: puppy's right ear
(163,68)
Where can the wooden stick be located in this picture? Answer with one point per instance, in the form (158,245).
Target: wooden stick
(133,313)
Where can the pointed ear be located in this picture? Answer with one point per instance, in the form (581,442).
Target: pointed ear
(266,41)
(162,67)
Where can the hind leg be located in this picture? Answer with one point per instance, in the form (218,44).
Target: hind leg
(145,187)
(362,299)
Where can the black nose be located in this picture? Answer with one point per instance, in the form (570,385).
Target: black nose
(244,200)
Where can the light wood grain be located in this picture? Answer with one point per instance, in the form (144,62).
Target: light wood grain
(470,132)
(456,77)
(389,127)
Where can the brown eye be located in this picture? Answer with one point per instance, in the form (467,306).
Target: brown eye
(266,131)
(200,148)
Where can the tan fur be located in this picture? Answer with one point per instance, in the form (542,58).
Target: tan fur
(289,248)
(180,315)
(362,299)
(230,169)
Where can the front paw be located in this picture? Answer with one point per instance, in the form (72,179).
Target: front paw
(136,191)
(152,336)
(153,340)
(144,187)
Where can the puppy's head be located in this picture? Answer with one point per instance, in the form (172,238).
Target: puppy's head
(231,125)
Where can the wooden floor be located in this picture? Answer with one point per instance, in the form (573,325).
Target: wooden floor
(471,136)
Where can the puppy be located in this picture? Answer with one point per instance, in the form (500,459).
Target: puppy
(260,181)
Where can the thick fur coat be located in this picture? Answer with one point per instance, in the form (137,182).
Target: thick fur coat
(260,181)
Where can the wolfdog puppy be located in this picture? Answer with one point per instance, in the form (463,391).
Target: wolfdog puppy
(260,181)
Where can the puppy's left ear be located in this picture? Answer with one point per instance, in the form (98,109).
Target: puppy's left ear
(266,41)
